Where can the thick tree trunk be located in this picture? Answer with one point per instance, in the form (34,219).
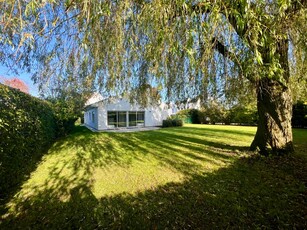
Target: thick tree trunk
(274,130)
(274,102)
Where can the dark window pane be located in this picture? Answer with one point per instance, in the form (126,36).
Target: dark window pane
(122,119)
(112,118)
(140,118)
(132,118)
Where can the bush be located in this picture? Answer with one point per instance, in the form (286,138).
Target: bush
(167,123)
(65,116)
(243,115)
(299,117)
(172,123)
(27,128)
(240,114)
(216,113)
(177,122)
(64,126)
(193,116)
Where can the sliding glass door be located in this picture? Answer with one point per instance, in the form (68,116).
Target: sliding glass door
(140,119)
(120,119)
(132,119)
(112,119)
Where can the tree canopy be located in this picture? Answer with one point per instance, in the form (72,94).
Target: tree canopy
(179,46)
(15,83)
(183,48)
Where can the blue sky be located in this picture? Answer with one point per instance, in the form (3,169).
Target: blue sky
(26,77)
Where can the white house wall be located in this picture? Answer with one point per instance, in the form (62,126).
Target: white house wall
(154,115)
(88,118)
(103,118)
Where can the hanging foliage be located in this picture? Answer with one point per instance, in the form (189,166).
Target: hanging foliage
(184,48)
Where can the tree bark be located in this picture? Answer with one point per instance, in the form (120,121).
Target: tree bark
(274,129)
(274,103)
(274,99)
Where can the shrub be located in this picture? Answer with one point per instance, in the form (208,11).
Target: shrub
(64,126)
(27,128)
(65,116)
(193,116)
(167,123)
(215,112)
(243,115)
(172,123)
(299,117)
(177,122)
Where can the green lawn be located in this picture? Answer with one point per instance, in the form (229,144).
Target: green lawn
(196,176)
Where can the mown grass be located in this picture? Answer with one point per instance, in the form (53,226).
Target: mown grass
(196,176)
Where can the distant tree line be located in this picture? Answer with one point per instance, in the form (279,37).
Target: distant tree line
(240,115)
(216,114)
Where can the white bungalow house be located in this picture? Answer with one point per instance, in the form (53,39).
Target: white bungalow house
(103,114)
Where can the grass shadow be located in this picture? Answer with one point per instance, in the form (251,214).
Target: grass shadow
(213,129)
(15,170)
(252,193)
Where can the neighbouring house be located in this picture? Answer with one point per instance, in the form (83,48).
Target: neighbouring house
(188,104)
(182,105)
(111,113)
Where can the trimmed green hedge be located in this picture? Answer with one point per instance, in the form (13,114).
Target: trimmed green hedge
(27,128)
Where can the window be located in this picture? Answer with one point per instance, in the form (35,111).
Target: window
(122,119)
(140,118)
(132,118)
(93,117)
(112,119)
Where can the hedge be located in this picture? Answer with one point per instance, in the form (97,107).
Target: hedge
(171,123)
(27,128)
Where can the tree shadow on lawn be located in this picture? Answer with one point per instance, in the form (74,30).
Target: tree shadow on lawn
(14,171)
(180,139)
(106,149)
(216,130)
(251,193)
(103,152)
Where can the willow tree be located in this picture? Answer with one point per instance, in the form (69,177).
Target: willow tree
(185,48)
